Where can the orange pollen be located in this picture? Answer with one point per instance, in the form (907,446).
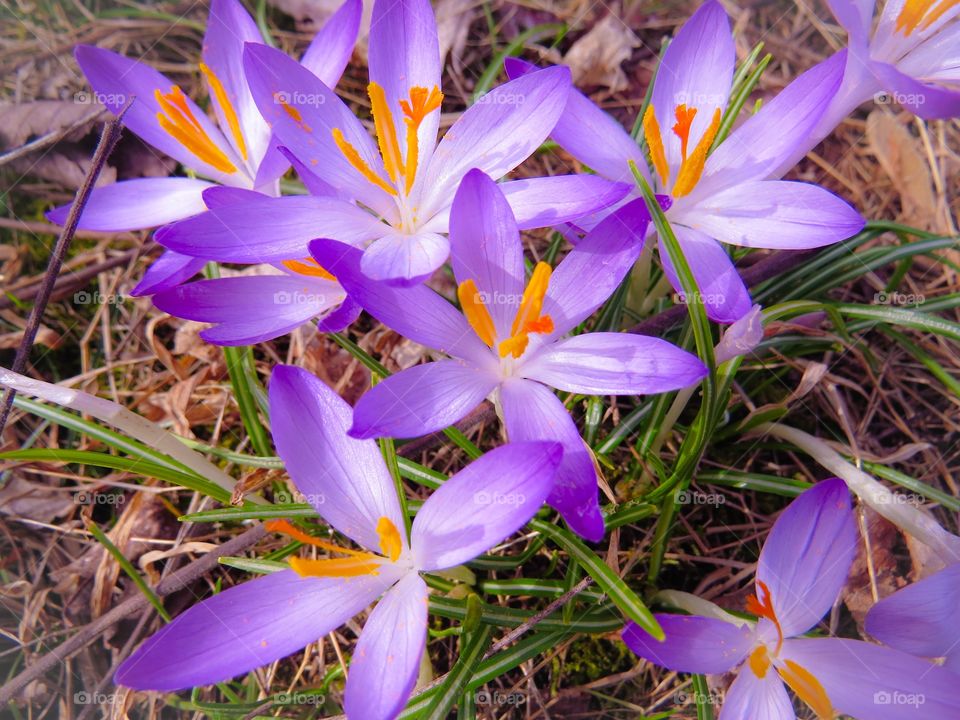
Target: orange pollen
(922,14)
(651,132)
(474,309)
(391,544)
(760,661)
(808,689)
(692,166)
(529,318)
(685,118)
(353,157)
(763,607)
(182,125)
(308,266)
(226,107)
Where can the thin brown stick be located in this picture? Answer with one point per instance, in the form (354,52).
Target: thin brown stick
(111,133)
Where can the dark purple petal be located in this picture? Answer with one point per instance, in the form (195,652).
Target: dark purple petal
(331,48)
(421,400)
(693,644)
(221,196)
(167,271)
(314,184)
(484,503)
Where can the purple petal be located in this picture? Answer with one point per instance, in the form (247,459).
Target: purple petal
(498,132)
(751,697)
(741,337)
(228,28)
(332,46)
(115,79)
(386,661)
(421,400)
(613,363)
(314,184)
(484,503)
(341,318)
(589,274)
(931,102)
(721,287)
(343,478)
(269,229)
(222,196)
(167,271)
(303,112)
(855,16)
(137,204)
(775,214)
(807,555)
(405,53)
(485,247)
(874,682)
(405,260)
(693,644)
(532,412)
(765,140)
(416,312)
(589,134)
(248,310)
(921,619)
(246,627)
(547,201)
(696,71)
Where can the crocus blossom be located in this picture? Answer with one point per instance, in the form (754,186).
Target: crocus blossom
(405,180)
(721,195)
(921,619)
(802,568)
(235,150)
(509,339)
(346,480)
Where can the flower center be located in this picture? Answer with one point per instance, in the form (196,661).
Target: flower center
(357,562)
(922,14)
(691,165)
(182,125)
(308,266)
(763,607)
(528,319)
(400,171)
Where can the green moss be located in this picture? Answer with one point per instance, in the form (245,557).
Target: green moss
(591,658)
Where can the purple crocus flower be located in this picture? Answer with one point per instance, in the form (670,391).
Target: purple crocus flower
(725,194)
(802,568)
(509,338)
(394,193)
(235,151)
(346,480)
(921,619)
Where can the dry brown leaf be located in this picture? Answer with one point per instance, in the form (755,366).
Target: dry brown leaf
(596,57)
(19,124)
(34,501)
(902,157)
(453,24)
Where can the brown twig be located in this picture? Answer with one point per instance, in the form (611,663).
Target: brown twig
(111,133)
(177,581)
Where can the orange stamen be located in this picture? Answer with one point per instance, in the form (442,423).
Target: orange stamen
(226,106)
(651,131)
(284,527)
(336,567)
(692,166)
(308,266)
(760,661)
(353,157)
(808,689)
(391,544)
(182,125)
(685,118)
(529,319)
(476,312)
(763,607)
(922,14)
(386,131)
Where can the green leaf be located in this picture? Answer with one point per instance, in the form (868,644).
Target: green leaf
(129,570)
(243,379)
(471,653)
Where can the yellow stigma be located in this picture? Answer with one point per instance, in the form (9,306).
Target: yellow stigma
(182,125)
(226,106)
(390,542)
(691,164)
(476,312)
(760,661)
(308,266)
(922,14)
(421,103)
(529,319)
(808,689)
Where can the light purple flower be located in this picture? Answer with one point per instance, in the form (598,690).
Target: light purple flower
(405,180)
(724,195)
(802,568)
(921,619)
(235,151)
(346,480)
(510,341)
